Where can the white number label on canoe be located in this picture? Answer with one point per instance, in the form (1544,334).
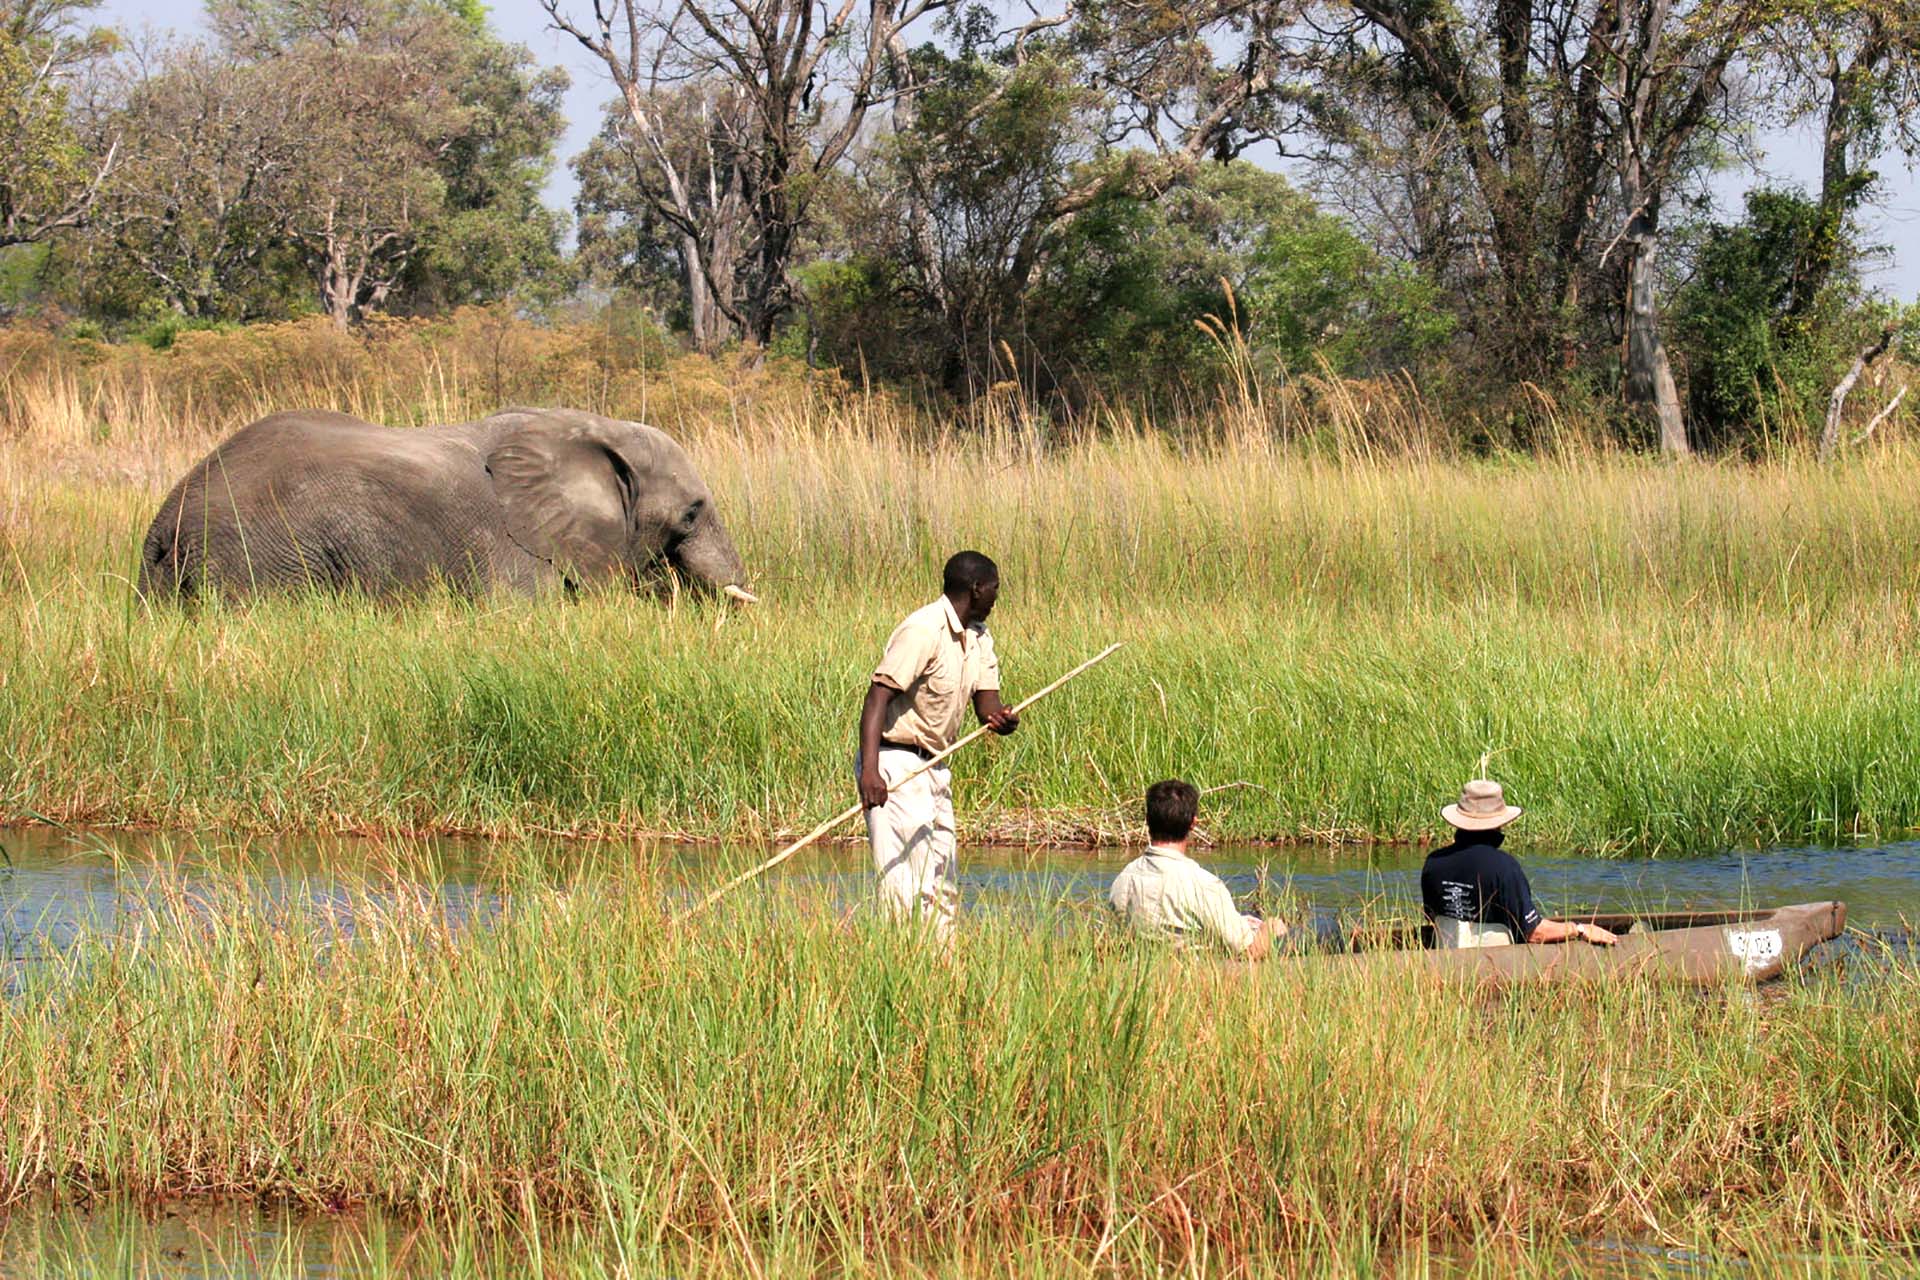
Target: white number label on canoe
(1758,948)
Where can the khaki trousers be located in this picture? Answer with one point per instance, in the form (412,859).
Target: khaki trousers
(914,851)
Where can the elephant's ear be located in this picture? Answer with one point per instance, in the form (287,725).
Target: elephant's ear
(566,495)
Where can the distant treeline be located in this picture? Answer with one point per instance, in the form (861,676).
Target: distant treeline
(1497,203)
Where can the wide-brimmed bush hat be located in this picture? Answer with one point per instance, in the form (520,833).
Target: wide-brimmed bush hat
(1483,807)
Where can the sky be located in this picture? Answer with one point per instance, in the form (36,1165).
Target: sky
(1786,158)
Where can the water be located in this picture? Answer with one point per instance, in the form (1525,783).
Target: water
(55,883)
(224,1240)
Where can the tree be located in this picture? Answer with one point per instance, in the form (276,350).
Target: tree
(759,77)
(495,238)
(391,150)
(376,79)
(672,208)
(50,178)
(1543,101)
(1750,338)
(196,210)
(976,181)
(1511,95)
(1855,68)
(1129,282)
(1670,69)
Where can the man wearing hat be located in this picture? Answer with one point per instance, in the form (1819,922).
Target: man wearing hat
(1475,892)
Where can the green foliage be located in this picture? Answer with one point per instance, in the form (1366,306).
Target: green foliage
(45,160)
(992,146)
(855,310)
(495,238)
(160,334)
(48,169)
(1130,280)
(22,268)
(622,244)
(491,254)
(471,12)
(1317,293)
(365,155)
(1751,357)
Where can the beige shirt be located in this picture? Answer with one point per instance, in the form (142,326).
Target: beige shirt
(936,666)
(1165,894)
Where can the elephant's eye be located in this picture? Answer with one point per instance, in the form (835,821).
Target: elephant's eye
(692,513)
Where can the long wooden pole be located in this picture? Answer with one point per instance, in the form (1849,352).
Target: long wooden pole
(847,815)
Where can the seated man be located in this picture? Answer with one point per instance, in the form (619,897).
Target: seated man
(1165,894)
(1475,892)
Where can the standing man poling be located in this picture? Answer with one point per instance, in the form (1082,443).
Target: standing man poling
(939,660)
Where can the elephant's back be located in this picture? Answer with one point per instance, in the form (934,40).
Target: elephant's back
(316,440)
(317,497)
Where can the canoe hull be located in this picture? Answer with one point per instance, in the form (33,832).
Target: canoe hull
(1750,949)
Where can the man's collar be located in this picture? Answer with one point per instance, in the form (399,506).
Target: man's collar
(1168,851)
(953,616)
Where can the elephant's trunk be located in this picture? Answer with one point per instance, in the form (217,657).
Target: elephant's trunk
(707,556)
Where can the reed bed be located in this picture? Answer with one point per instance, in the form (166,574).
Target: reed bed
(1337,617)
(780,1088)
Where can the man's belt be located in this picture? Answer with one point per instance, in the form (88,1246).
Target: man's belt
(888,744)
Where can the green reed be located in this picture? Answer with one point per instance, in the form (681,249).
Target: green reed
(779,1085)
(1654,659)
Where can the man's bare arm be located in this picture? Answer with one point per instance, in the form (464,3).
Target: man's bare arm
(1000,719)
(873,789)
(1266,936)
(1565,930)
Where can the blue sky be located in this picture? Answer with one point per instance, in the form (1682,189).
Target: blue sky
(1788,157)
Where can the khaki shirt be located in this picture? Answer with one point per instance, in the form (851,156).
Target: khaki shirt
(936,666)
(1165,894)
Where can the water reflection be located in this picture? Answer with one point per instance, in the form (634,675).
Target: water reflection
(205,1240)
(54,883)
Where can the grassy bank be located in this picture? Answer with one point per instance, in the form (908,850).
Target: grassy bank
(1347,619)
(774,1086)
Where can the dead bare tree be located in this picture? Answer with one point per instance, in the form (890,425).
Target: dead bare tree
(785,86)
(1837,401)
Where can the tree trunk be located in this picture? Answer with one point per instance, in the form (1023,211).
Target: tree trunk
(1840,184)
(336,285)
(704,321)
(1650,385)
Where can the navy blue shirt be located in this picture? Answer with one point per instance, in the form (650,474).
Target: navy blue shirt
(1474,879)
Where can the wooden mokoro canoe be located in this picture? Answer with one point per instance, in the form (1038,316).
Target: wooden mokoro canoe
(1402,935)
(1697,947)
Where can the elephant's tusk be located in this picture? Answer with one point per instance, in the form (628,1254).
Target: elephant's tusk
(740,593)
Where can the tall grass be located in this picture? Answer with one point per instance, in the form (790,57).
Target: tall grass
(778,1085)
(1654,658)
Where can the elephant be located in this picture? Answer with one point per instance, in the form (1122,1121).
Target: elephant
(525,501)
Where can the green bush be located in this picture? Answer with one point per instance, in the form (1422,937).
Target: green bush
(161,334)
(1761,350)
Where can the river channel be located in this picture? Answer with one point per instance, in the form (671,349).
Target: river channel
(55,885)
